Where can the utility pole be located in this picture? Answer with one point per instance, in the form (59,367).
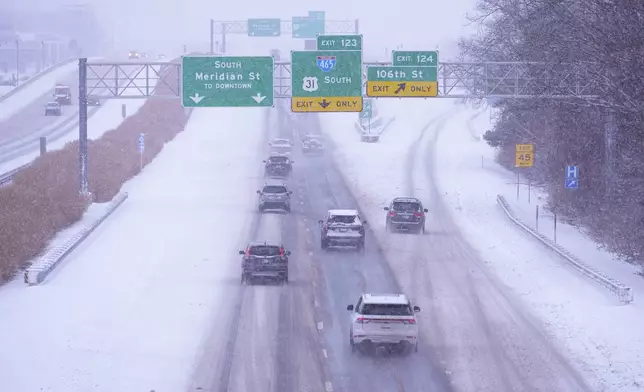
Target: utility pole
(17,62)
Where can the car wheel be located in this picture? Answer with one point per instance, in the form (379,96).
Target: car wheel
(323,244)
(352,344)
(285,278)
(416,347)
(244,278)
(287,209)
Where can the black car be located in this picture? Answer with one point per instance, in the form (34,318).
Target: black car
(264,260)
(406,213)
(343,228)
(274,197)
(93,100)
(279,166)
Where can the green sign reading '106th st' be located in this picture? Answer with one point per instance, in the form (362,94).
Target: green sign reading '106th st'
(428,58)
(339,42)
(402,73)
(216,81)
(326,81)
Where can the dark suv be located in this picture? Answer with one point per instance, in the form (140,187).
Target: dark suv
(406,213)
(265,260)
(279,166)
(274,197)
(63,95)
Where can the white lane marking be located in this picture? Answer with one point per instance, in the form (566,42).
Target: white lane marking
(325,353)
(320,326)
(328,386)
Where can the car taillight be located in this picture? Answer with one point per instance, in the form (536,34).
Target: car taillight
(419,214)
(392,213)
(410,321)
(248,252)
(360,320)
(282,252)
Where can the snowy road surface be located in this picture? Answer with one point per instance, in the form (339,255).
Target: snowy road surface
(153,299)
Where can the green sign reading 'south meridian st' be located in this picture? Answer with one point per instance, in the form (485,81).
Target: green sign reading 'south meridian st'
(222,81)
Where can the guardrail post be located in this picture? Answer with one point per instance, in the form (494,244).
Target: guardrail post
(536,218)
(123,111)
(43,145)
(555,227)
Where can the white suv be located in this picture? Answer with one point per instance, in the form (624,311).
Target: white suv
(384,320)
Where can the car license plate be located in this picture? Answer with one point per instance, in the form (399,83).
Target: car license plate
(343,230)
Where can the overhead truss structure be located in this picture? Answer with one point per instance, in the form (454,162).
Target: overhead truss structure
(509,80)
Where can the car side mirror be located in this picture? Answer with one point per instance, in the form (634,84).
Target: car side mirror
(426,210)
(288,252)
(386,208)
(350,307)
(264,161)
(290,192)
(364,222)
(416,309)
(259,192)
(241,252)
(320,221)
(292,161)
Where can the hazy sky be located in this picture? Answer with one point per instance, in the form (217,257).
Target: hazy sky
(165,25)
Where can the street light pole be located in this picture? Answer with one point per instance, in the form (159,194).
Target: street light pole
(42,56)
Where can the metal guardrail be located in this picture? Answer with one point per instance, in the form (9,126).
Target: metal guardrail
(39,270)
(35,77)
(624,293)
(6,178)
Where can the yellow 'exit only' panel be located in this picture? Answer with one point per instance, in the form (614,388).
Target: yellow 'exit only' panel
(387,88)
(326,104)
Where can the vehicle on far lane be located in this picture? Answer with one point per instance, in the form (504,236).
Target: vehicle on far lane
(274,197)
(281,146)
(63,94)
(53,109)
(134,55)
(278,166)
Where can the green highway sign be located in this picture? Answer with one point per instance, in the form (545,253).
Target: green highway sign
(222,81)
(317,14)
(264,27)
(402,73)
(339,42)
(428,58)
(366,109)
(326,81)
(307,27)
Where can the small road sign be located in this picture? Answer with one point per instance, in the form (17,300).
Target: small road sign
(307,27)
(572,177)
(264,27)
(317,14)
(339,42)
(141,142)
(402,81)
(221,81)
(524,155)
(366,109)
(428,58)
(326,81)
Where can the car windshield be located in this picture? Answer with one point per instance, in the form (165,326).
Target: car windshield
(281,141)
(348,219)
(52,105)
(406,206)
(61,90)
(385,310)
(274,189)
(278,160)
(264,250)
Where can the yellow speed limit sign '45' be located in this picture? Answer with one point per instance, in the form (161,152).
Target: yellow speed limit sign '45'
(524,156)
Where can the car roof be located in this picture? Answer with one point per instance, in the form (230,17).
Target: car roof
(343,212)
(393,299)
(264,243)
(278,156)
(61,85)
(406,199)
(53,103)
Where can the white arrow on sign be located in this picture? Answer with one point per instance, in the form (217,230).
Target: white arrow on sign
(197,98)
(258,98)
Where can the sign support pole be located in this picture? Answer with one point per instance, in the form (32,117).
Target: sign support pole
(82,125)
